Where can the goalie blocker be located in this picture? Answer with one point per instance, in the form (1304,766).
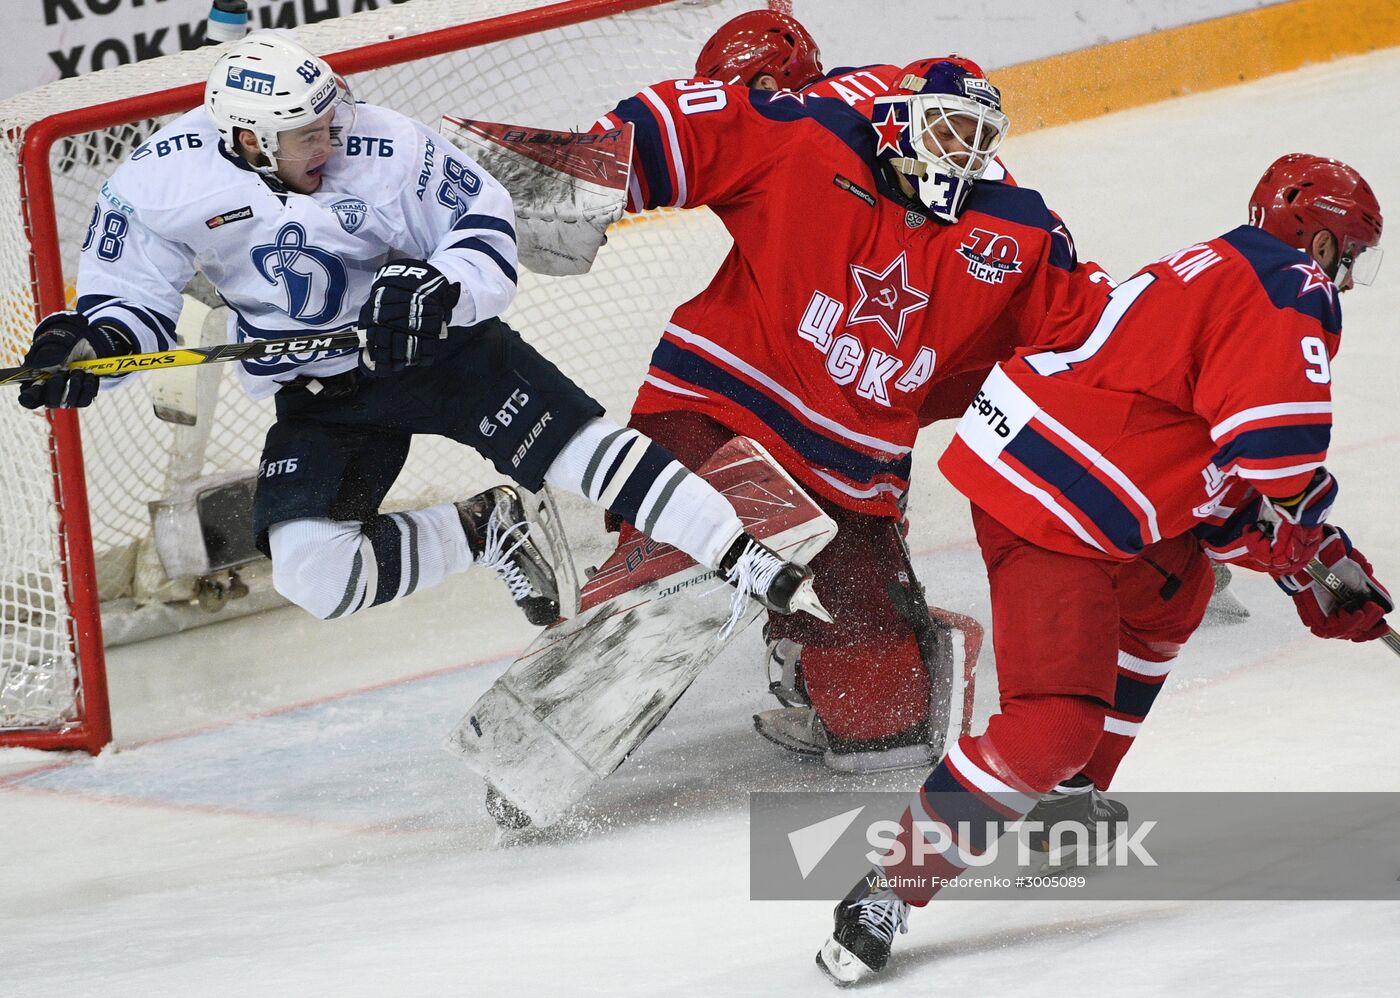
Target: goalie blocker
(589,690)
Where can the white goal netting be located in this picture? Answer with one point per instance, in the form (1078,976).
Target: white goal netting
(599,327)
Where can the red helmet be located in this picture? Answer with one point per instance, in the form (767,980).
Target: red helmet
(1301,195)
(758,42)
(922,66)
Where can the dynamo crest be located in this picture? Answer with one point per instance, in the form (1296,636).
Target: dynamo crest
(351,213)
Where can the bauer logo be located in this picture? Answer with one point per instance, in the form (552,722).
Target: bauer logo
(250,81)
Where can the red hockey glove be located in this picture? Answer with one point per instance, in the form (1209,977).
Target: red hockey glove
(1359,619)
(1298,532)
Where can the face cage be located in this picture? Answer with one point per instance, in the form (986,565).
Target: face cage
(989,129)
(1360,263)
(343,107)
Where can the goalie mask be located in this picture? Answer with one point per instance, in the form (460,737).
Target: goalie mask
(269,85)
(941,132)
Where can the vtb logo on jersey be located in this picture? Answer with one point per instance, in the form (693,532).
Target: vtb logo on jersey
(313,280)
(886,297)
(991,256)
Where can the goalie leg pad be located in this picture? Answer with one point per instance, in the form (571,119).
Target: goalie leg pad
(868,691)
(599,682)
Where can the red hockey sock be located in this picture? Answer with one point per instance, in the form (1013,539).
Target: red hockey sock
(1041,740)
(1139,682)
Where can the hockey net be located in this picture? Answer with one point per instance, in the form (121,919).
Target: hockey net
(74,519)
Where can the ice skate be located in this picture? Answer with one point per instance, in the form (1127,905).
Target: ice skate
(499,535)
(756,571)
(797,729)
(866,921)
(801,731)
(907,749)
(1075,802)
(784,663)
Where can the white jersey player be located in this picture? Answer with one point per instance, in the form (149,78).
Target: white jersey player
(309,212)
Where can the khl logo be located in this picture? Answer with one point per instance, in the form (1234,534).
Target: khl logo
(314,280)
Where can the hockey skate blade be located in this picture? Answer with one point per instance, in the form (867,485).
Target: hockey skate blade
(805,599)
(886,761)
(791,728)
(840,965)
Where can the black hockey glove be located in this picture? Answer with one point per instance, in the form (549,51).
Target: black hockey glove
(405,316)
(60,339)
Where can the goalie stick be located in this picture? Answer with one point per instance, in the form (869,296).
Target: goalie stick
(1329,580)
(162,360)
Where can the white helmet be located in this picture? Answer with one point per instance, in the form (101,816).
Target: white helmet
(267,84)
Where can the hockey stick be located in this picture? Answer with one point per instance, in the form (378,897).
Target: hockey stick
(190,356)
(1328,580)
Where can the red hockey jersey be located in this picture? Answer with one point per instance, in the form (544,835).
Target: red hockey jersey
(1211,366)
(859,87)
(841,305)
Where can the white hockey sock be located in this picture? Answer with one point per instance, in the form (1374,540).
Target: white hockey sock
(332,568)
(631,475)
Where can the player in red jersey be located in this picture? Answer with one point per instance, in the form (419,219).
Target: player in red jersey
(1197,399)
(869,274)
(763,49)
(769,50)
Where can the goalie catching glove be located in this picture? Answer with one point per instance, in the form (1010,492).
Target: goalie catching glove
(405,317)
(61,339)
(1297,527)
(1357,619)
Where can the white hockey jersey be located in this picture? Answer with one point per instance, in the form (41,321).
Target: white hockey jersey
(291,263)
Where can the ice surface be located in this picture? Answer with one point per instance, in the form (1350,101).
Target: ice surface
(280,820)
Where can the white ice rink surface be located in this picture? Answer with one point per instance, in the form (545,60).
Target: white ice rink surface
(280,820)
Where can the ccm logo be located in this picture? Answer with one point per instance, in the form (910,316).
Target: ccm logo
(297,346)
(402,270)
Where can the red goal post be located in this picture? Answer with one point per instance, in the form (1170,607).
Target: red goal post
(72,529)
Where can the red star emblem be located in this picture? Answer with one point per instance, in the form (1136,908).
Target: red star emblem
(1315,279)
(886,297)
(889,132)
